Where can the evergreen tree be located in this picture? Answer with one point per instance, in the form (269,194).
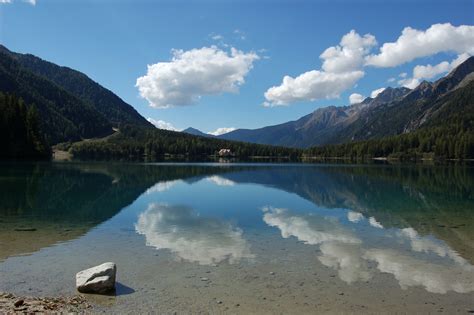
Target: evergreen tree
(20,135)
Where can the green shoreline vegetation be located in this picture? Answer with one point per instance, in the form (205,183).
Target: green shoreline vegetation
(448,135)
(21,138)
(441,143)
(45,107)
(20,135)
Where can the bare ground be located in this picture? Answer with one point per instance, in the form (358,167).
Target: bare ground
(12,304)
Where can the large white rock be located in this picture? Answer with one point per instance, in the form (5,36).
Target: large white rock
(98,279)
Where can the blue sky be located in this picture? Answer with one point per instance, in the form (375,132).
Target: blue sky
(114,41)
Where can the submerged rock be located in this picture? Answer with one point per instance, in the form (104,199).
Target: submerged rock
(98,279)
(27,229)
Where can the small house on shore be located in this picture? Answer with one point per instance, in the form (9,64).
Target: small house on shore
(225,152)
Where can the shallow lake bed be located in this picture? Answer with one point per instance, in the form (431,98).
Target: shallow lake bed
(243,238)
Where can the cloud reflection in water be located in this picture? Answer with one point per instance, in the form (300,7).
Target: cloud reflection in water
(220,181)
(191,237)
(162,186)
(345,251)
(411,271)
(346,259)
(309,228)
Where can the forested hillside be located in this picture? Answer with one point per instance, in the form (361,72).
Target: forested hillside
(71,106)
(81,86)
(142,143)
(448,134)
(393,112)
(20,137)
(63,117)
(43,104)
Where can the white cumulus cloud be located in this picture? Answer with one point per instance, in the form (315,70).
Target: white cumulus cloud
(410,83)
(376,92)
(356,98)
(425,72)
(161,124)
(311,86)
(341,69)
(430,71)
(414,43)
(32,2)
(349,54)
(221,131)
(458,60)
(194,73)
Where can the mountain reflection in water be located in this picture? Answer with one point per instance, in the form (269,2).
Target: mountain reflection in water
(432,200)
(63,201)
(414,224)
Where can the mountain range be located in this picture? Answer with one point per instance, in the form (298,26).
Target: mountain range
(434,119)
(394,111)
(71,105)
(196,132)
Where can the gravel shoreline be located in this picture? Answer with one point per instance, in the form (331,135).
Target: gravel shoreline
(12,304)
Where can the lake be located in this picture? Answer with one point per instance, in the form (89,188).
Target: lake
(243,238)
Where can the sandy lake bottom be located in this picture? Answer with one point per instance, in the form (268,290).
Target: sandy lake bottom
(243,238)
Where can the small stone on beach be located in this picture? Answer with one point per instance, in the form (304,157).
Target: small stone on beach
(19,303)
(98,279)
